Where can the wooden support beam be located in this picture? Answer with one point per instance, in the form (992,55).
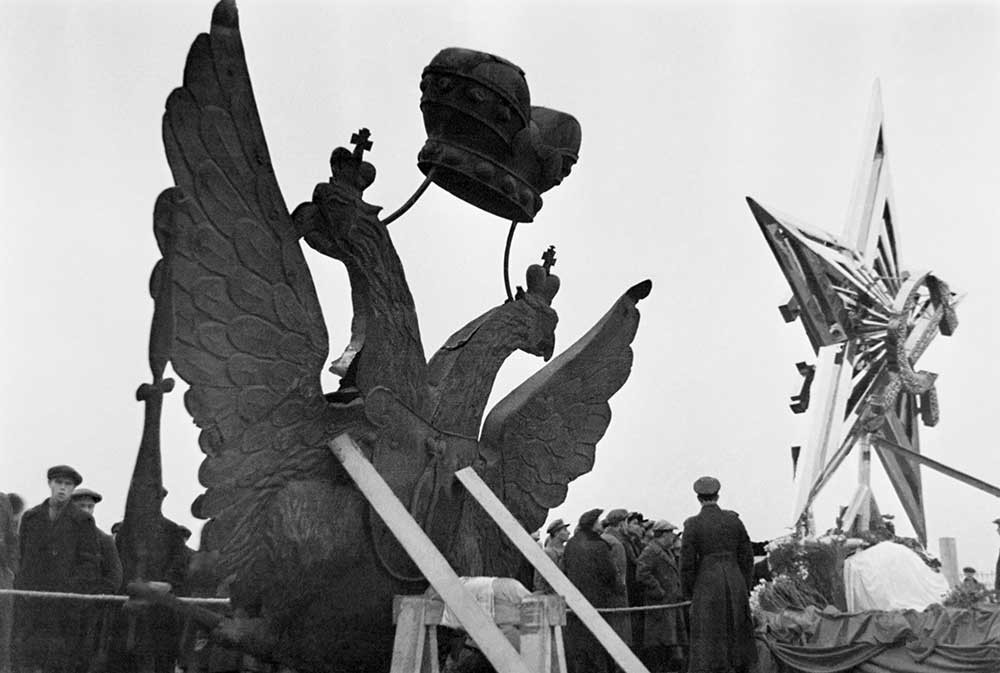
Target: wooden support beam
(859,505)
(491,641)
(411,647)
(580,606)
(948,553)
(904,475)
(832,380)
(865,479)
(939,467)
(540,626)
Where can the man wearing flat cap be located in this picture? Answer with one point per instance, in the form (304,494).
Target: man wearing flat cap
(716,572)
(59,552)
(658,573)
(622,553)
(557,535)
(111,565)
(634,544)
(99,617)
(587,563)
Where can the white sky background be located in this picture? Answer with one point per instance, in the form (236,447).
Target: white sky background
(685,108)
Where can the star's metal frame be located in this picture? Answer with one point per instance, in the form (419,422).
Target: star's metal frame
(869,321)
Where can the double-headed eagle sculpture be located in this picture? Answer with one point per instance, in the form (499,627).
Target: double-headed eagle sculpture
(313,568)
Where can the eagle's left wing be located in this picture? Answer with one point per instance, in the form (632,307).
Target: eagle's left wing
(544,433)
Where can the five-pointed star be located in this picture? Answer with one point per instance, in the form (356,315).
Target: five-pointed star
(869,321)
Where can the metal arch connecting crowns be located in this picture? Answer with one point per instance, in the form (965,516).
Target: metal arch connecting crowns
(485,143)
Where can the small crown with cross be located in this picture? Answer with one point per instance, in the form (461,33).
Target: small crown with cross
(540,280)
(349,167)
(486,144)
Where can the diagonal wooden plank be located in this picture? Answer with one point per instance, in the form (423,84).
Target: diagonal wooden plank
(903,475)
(497,649)
(581,607)
(915,457)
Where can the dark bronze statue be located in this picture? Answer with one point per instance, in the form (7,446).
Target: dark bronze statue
(315,568)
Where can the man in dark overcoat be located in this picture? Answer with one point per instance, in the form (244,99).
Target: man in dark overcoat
(622,553)
(555,546)
(634,533)
(99,617)
(658,573)
(59,552)
(716,571)
(111,566)
(9,554)
(587,563)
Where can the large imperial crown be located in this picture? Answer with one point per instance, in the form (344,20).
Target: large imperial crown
(485,143)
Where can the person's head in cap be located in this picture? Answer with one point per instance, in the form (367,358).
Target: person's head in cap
(997,522)
(63,479)
(86,499)
(647,530)
(615,519)
(557,532)
(591,520)
(969,581)
(633,524)
(664,533)
(707,489)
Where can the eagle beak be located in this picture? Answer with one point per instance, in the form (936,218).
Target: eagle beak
(548,346)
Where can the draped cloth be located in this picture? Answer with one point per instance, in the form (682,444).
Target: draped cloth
(936,640)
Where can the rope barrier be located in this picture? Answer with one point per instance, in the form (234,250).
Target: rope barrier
(118,598)
(103,598)
(646,608)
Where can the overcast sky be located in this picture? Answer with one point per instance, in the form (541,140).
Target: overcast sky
(686,109)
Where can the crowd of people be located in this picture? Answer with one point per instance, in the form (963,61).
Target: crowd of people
(56,548)
(691,586)
(625,560)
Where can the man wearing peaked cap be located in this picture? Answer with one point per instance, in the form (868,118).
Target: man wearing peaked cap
(707,486)
(658,574)
(716,573)
(97,617)
(59,552)
(634,526)
(556,526)
(64,472)
(663,526)
(587,563)
(111,565)
(85,499)
(624,554)
(554,548)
